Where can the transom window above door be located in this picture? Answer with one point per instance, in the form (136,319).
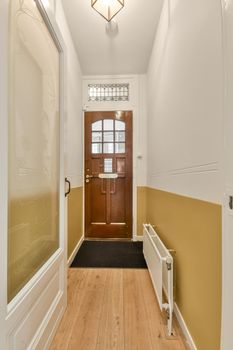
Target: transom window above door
(108,136)
(108,92)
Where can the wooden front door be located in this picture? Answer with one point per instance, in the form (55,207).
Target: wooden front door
(108,174)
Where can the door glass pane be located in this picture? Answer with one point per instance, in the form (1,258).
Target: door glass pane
(108,165)
(108,136)
(97,126)
(119,125)
(108,148)
(96,148)
(33,221)
(97,137)
(120,136)
(108,124)
(119,147)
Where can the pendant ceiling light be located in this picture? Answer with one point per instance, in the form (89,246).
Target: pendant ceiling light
(107,8)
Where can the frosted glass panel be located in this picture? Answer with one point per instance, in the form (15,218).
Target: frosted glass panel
(96,148)
(108,124)
(120,148)
(97,126)
(108,165)
(97,137)
(119,125)
(108,148)
(120,136)
(108,136)
(33,222)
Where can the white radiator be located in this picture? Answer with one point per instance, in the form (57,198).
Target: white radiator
(160,266)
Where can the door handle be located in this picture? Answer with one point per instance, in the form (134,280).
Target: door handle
(69,187)
(231,202)
(89,176)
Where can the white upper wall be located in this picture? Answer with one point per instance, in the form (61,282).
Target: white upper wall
(185,101)
(74,115)
(228,27)
(126,51)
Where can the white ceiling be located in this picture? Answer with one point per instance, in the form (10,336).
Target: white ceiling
(127,52)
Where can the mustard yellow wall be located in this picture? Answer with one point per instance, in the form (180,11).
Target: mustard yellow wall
(193,228)
(75,218)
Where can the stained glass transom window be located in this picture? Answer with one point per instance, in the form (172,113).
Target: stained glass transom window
(108,92)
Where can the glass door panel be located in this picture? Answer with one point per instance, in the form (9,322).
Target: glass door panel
(33,207)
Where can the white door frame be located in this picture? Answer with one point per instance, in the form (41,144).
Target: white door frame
(131,105)
(227,214)
(42,301)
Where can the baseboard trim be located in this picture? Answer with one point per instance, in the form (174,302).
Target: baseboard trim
(138,238)
(41,337)
(184,328)
(75,251)
(54,329)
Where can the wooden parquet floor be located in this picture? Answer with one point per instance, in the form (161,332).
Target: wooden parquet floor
(113,309)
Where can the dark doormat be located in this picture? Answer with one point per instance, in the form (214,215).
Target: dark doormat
(110,254)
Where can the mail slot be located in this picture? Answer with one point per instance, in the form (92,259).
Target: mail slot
(108,176)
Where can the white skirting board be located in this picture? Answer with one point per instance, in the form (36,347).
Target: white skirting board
(184,328)
(138,238)
(75,251)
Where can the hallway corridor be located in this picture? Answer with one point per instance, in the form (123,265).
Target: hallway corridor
(113,309)
(116,128)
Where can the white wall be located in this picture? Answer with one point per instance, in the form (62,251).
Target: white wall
(73,124)
(185,90)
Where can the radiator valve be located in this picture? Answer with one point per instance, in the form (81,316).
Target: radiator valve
(169,263)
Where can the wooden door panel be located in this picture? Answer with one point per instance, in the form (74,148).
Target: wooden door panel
(120,166)
(96,166)
(108,152)
(98,190)
(117,197)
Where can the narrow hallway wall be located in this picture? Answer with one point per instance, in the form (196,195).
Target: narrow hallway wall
(185,157)
(73,135)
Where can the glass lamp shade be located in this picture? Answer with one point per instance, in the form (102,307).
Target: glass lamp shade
(107,8)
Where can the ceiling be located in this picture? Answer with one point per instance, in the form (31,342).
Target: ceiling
(124,52)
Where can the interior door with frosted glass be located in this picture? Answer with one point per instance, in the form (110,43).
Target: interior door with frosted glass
(33,210)
(108,174)
(35,217)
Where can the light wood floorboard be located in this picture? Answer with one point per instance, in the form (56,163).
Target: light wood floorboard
(113,309)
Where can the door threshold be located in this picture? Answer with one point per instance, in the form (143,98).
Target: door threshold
(108,239)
